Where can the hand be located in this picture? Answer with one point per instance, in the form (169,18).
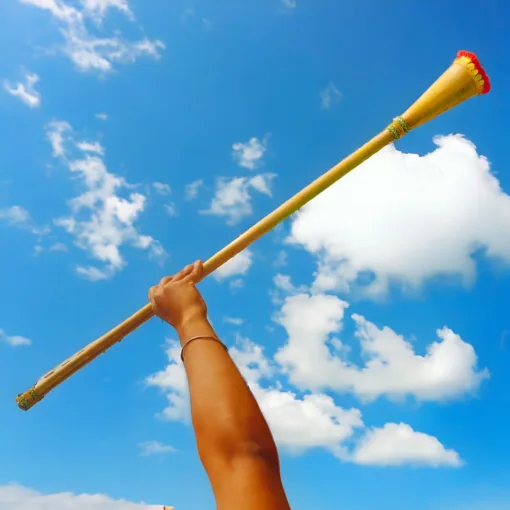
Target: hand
(176,300)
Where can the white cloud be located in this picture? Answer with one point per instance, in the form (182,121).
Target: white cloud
(238,265)
(98,8)
(58,132)
(281,259)
(93,274)
(87,51)
(315,359)
(398,444)
(171,209)
(58,246)
(297,424)
(162,188)
(26,91)
(330,96)
(101,220)
(18,216)
(403,219)
(312,421)
(15,215)
(172,381)
(249,155)
(233,320)
(94,147)
(14,340)
(232,198)
(193,188)
(17,497)
(101,116)
(148,448)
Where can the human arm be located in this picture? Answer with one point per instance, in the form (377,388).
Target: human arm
(234,442)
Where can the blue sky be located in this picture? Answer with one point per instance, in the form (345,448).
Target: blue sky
(372,327)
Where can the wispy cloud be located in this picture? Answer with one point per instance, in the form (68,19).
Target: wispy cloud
(233,320)
(249,154)
(330,96)
(291,4)
(171,209)
(94,147)
(15,215)
(25,90)
(18,216)
(193,188)
(149,448)
(14,340)
(102,116)
(15,496)
(90,52)
(162,188)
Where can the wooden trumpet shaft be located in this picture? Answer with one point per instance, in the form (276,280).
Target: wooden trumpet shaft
(464,79)
(66,369)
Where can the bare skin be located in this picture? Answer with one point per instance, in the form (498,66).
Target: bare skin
(234,442)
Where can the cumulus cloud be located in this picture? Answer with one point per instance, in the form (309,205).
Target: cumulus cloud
(238,265)
(149,448)
(173,383)
(25,90)
(14,340)
(233,198)
(249,155)
(301,423)
(101,220)
(17,497)
(297,424)
(330,96)
(402,219)
(314,358)
(397,444)
(90,52)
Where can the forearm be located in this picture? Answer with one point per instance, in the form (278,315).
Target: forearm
(226,417)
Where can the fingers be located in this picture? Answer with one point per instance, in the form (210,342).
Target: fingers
(195,273)
(166,279)
(190,273)
(152,290)
(184,273)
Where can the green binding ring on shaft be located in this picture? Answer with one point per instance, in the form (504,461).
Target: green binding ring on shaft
(393,129)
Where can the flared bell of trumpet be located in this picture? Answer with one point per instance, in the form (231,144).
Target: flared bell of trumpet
(464,79)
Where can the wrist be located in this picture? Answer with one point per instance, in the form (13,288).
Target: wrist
(194,325)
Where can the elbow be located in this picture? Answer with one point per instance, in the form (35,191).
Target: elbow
(241,452)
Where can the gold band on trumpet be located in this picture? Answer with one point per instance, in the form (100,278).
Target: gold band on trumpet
(464,78)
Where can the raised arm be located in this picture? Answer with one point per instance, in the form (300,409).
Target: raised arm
(233,439)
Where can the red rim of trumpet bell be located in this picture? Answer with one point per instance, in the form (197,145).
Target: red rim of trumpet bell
(480,69)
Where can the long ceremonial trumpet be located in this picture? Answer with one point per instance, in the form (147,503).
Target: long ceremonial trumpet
(463,79)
